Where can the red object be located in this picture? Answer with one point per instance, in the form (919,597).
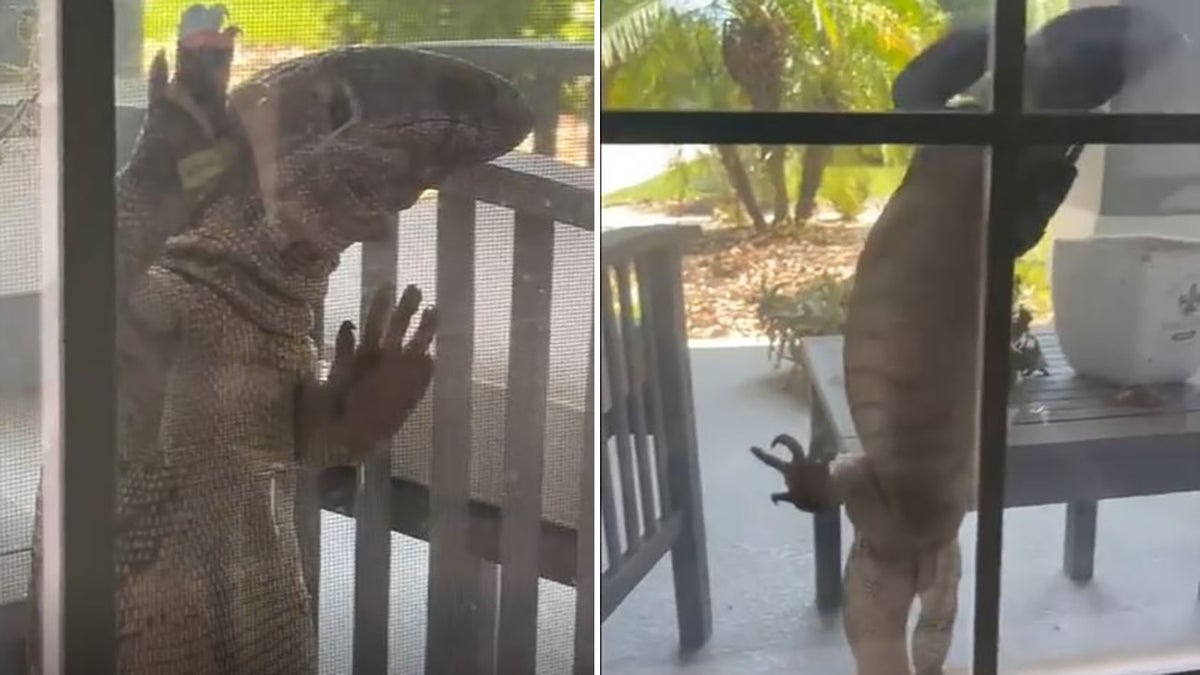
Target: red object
(210,39)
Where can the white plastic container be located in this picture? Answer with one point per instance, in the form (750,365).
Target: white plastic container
(1127,307)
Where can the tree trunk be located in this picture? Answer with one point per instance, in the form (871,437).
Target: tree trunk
(741,184)
(816,158)
(776,155)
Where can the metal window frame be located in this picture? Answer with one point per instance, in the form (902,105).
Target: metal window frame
(1006,129)
(79,444)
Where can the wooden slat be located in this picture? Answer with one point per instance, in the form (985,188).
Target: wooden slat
(619,581)
(634,342)
(372,534)
(605,387)
(565,59)
(616,370)
(544,96)
(651,324)
(822,357)
(14,629)
(1079,541)
(524,441)
(532,184)
(489,618)
(585,579)
(410,516)
(628,242)
(608,504)
(453,571)
(689,555)
(827,527)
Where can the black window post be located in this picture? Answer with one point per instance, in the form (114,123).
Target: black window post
(78,334)
(1008,58)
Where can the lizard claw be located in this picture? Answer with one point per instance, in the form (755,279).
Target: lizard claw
(777,497)
(791,444)
(808,481)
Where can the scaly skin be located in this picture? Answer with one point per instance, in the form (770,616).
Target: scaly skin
(185,118)
(913,331)
(335,144)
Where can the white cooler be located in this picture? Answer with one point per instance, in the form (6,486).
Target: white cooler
(1127,307)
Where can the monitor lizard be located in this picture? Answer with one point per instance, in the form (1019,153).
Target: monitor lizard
(913,332)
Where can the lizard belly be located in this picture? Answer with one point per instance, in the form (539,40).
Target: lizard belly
(211,578)
(911,364)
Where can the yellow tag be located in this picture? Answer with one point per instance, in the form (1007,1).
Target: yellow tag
(199,171)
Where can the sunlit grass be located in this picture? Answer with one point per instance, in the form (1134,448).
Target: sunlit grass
(294,23)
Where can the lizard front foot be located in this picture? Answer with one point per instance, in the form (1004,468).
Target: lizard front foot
(373,387)
(809,486)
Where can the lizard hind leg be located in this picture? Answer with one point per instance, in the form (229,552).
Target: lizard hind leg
(938,576)
(879,593)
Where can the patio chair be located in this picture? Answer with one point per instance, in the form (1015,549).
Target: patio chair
(649,474)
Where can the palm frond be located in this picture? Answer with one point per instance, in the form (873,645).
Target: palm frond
(628,32)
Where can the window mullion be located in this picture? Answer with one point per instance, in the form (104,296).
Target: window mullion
(1008,58)
(798,127)
(78,298)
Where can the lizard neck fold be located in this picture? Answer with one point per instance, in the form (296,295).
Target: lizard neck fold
(245,257)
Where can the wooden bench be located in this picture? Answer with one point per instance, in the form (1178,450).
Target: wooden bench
(1069,444)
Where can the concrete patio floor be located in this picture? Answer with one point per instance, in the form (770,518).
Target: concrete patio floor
(1143,597)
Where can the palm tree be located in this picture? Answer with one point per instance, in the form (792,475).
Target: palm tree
(827,55)
(754,47)
(653,56)
(846,56)
(627,26)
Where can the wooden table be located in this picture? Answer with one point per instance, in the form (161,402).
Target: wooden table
(1071,443)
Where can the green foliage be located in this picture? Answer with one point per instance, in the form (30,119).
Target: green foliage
(298,23)
(678,67)
(847,191)
(842,55)
(317,24)
(817,308)
(1034,288)
(393,21)
(979,11)
(848,53)
(626,27)
(695,179)
(702,179)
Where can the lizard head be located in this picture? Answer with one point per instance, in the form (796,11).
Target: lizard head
(343,140)
(1078,61)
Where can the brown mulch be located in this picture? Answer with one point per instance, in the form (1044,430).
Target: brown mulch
(724,269)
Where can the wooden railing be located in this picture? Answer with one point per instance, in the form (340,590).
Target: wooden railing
(480,619)
(650,500)
(466,631)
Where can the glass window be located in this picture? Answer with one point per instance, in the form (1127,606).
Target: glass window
(1086,374)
